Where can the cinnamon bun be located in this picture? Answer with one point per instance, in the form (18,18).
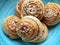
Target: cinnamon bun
(51,14)
(9,26)
(30,29)
(30,8)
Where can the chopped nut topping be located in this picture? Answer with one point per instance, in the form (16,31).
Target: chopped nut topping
(50,12)
(25,29)
(12,23)
(32,8)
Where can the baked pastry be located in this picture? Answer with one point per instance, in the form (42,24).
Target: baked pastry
(30,8)
(9,26)
(30,29)
(51,14)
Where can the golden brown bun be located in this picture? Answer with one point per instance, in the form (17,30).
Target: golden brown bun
(30,8)
(51,14)
(9,26)
(35,27)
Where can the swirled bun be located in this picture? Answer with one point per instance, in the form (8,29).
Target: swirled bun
(30,29)
(51,14)
(30,8)
(9,26)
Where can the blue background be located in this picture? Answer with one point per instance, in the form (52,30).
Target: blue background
(7,8)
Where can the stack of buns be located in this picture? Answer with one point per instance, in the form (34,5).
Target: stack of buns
(32,20)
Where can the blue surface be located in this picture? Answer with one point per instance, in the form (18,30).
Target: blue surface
(7,8)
